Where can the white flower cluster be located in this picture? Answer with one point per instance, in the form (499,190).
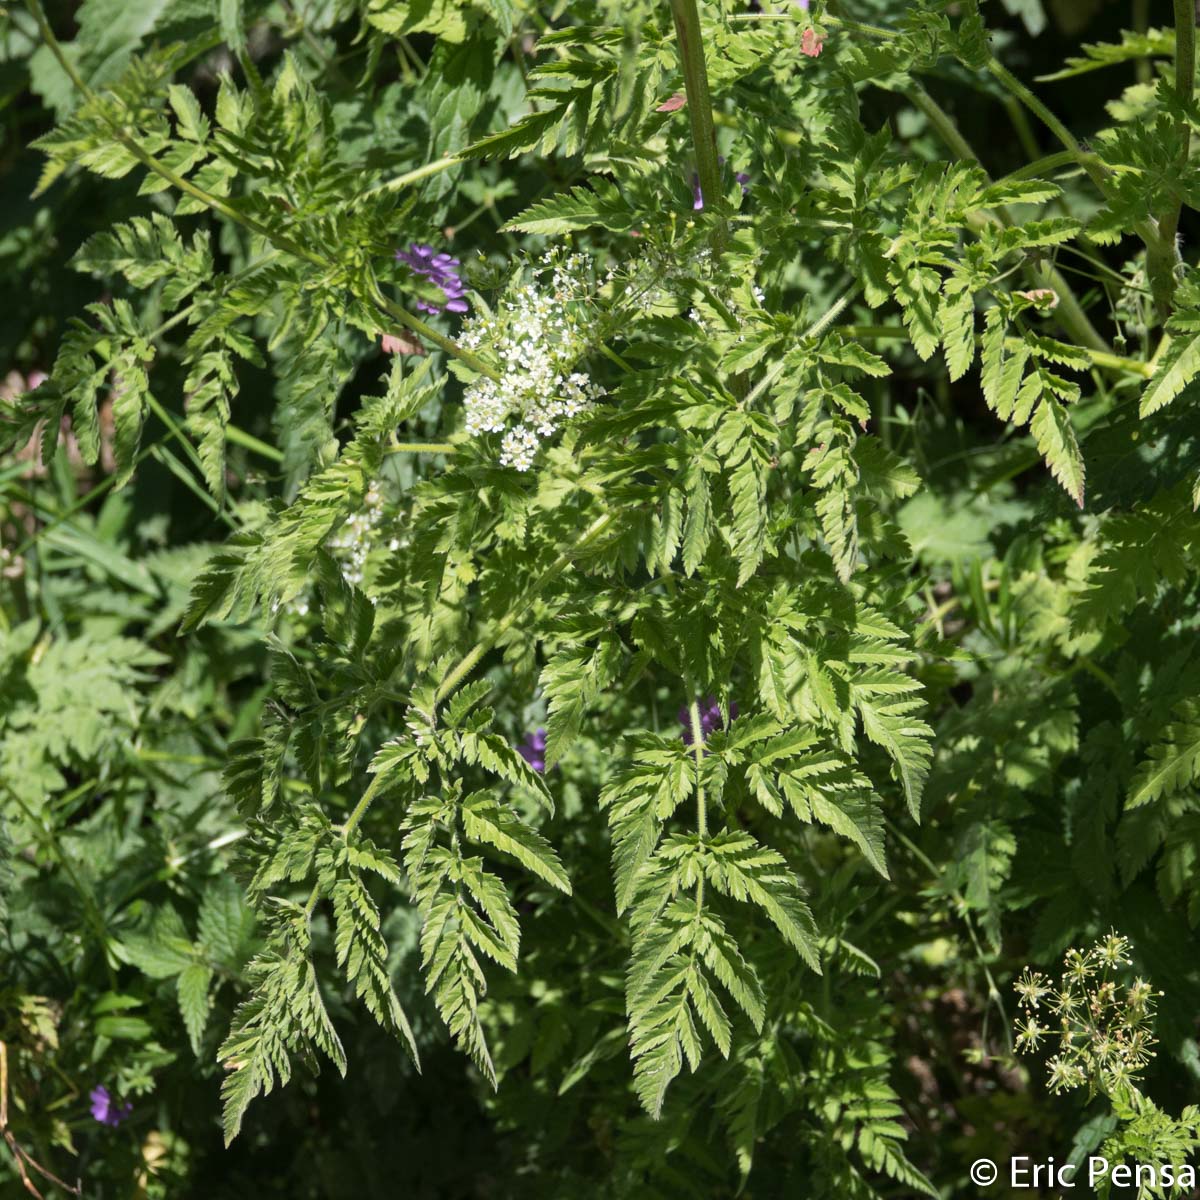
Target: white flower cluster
(351,543)
(537,336)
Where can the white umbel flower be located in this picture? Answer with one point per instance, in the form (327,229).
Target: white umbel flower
(537,337)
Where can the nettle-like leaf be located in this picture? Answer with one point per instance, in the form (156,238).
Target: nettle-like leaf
(284,1015)
(587,76)
(681,947)
(149,251)
(599,203)
(1180,364)
(1020,387)
(1172,763)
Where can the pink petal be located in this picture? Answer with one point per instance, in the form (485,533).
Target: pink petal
(675,103)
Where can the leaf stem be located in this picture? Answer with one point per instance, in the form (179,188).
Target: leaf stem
(815,330)
(239,437)
(436,167)
(698,755)
(1100,358)
(1161,265)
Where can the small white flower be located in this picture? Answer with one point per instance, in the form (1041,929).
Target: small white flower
(538,339)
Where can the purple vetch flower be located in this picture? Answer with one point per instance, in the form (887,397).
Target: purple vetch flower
(533,750)
(698,195)
(441,270)
(711,718)
(105,1109)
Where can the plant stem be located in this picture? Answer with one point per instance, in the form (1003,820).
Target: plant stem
(1148,231)
(436,167)
(421,448)
(701,803)
(1160,266)
(699,106)
(817,328)
(1185,54)
(698,755)
(239,437)
(1141,22)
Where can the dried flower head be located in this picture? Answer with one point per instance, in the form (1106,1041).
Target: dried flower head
(1104,1032)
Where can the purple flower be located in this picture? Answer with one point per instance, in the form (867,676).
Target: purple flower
(105,1109)
(711,718)
(441,270)
(698,195)
(533,750)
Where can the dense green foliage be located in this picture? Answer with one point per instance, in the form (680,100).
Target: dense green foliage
(803,435)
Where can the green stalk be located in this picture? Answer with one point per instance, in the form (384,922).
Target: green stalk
(421,448)
(698,754)
(1161,254)
(817,328)
(701,803)
(1185,51)
(1141,22)
(1161,265)
(699,106)
(239,437)
(415,175)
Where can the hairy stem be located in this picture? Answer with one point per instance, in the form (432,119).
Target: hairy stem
(699,106)
(1185,51)
(698,754)
(817,328)
(701,802)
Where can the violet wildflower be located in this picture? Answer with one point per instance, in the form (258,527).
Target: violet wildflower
(533,750)
(441,270)
(711,718)
(105,1109)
